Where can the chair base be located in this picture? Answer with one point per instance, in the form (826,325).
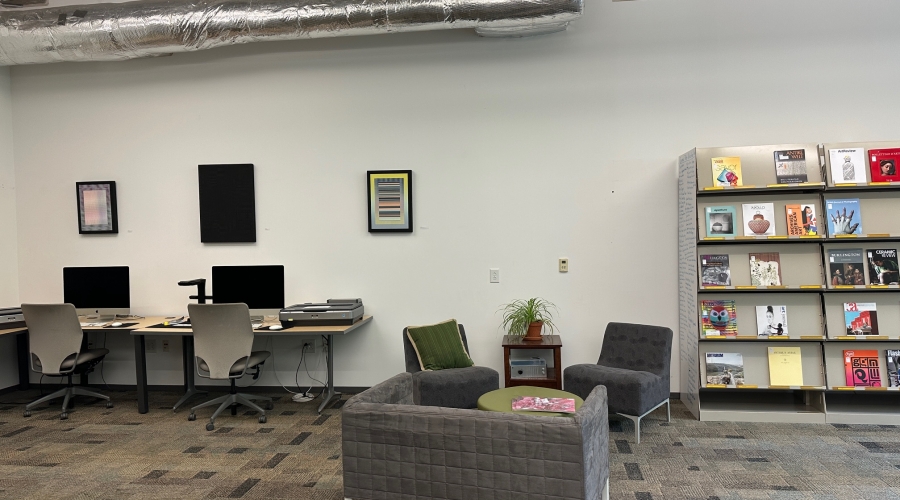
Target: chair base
(227,401)
(637,420)
(66,393)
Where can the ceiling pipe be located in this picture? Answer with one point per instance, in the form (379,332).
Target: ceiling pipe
(147,28)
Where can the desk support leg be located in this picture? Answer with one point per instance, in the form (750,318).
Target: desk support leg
(187,360)
(140,368)
(23,354)
(329,364)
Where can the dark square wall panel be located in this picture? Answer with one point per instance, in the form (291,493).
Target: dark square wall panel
(227,204)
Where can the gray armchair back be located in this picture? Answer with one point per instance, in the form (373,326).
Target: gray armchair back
(643,348)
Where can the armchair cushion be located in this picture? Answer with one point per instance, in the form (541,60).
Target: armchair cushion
(630,392)
(439,346)
(454,387)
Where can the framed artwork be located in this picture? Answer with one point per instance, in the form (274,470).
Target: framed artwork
(390,201)
(97,207)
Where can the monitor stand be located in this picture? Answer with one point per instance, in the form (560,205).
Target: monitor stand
(100,318)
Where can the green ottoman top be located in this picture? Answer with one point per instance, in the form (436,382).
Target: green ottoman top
(501,400)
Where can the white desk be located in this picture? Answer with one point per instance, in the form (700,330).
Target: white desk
(140,354)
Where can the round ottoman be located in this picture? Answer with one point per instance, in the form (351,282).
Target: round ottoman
(501,400)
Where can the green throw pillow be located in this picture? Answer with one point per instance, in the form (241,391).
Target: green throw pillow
(439,346)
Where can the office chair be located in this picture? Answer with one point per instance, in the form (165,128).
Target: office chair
(223,343)
(54,338)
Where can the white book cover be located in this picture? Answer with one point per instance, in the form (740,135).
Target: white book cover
(771,321)
(848,165)
(759,219)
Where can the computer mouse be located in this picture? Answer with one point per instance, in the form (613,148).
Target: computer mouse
(115,325)
(276,327)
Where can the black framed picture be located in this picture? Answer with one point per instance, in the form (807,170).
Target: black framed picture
(390,201)
(97,207)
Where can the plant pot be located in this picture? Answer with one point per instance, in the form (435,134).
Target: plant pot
(534,332)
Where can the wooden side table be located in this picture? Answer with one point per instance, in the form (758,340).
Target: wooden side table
(554,373)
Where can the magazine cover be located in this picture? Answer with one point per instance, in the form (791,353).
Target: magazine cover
(726,171)
(765,269)
(725,368)
(883,164)
(848,165)
(714,270)
(771,321)
(860,318)
(785,366)
(844,216)
(801,220)
(759,219)
(718,317)
(862,368)
(893,362)
(720,221)
(790,166)
(556,405)
(883,266)
(845,266)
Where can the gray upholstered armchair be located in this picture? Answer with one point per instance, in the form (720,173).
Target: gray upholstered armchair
(634,367)
(453,387)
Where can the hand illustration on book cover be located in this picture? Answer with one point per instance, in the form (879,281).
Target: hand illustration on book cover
(844,217)
(726,171)
(790,166)
(862,369)
(893,362)
(724,368)
(765,269)
(714,270)
(556,405)
(759,219)
(847,165)
(883,267)
(771,321)
(883,164)
(846,266)
(860,318)
(718,317)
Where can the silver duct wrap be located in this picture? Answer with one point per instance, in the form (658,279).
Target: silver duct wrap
(146,28)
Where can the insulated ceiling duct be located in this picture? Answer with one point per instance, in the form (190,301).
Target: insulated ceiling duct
(146,28)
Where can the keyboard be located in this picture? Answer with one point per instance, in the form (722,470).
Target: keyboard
(101,323)
(255,325)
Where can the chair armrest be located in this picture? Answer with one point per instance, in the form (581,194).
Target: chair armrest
(593,416)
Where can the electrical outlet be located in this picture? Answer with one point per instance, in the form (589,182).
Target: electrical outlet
(563,265)
(150,345)
(495,275)
(309,347)
(165,344)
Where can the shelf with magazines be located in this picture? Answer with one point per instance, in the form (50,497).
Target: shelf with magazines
(757,269)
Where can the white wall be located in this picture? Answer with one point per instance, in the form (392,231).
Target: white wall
(9,275)
(523,151)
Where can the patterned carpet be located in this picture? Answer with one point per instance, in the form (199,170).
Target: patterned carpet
(101,453)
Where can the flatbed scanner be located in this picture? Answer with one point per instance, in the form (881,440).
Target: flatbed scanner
(11,317)
(332,312)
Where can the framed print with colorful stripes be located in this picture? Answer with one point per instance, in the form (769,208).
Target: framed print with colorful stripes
(390,201)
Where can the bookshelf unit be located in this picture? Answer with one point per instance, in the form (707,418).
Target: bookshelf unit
(815,316)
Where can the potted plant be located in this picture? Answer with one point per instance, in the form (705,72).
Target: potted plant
(528,318)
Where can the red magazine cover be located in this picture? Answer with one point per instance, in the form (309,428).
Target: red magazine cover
(862,368)
(884,164)
(556,405)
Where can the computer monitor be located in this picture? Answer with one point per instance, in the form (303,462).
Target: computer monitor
(97,291)
(260,287)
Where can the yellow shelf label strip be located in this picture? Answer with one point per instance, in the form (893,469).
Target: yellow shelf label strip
(746,337)
(876,337)
(809,387)
(713,238)
(844,287)
(845,184)
(812,337)
(777,237)
(716,386)
(777,185)
(779,387)
(715,337)
(779,337)
(818,287)
(876,388)
(876,286)
(714,287)
(746,287)
(880,183)
(878,235)
(811,236)
(747,386)
(844,388)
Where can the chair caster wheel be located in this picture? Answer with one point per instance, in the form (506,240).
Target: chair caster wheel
(192,417)
(210,426)
(63,416)
(27,413)
(109,404)
(262,419)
